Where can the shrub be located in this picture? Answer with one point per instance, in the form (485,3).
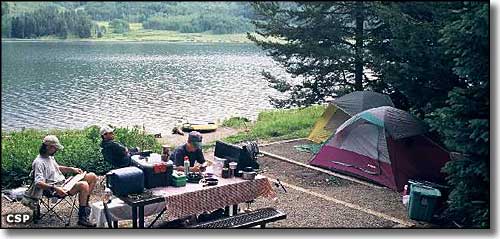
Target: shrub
(119,26)
(81,149)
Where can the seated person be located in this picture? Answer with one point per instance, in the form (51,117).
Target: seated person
(192,149)
(48,178)
(112,151)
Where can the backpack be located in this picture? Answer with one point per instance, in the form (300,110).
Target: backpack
(249,153)
(245,154)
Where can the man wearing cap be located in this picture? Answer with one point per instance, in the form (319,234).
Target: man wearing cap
(191,149)
(112,151)
(49,178)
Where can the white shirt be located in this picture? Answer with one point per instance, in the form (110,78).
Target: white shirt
(46,170)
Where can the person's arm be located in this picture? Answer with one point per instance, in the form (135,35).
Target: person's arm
(178,159)
(202,164)
(40,181)
(65,169)
(119,149)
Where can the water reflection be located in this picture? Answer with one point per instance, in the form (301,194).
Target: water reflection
(76,84)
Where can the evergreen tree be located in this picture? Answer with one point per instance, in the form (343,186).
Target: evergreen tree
(119,26)
(323,42)
(464,121)
(408,58)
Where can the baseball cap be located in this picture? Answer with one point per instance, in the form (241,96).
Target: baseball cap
(195,136)
(105,130)
(52,140)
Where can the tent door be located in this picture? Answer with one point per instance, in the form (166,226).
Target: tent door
(363,140)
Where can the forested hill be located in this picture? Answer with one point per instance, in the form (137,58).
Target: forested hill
(19,19)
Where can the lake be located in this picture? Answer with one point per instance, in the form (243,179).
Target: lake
(61,85)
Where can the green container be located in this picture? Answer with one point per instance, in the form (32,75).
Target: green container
(423,201)
(179,180)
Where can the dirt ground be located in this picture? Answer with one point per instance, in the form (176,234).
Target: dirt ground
(316,199)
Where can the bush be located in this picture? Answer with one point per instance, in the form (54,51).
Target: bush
(119,26)
(236,122)
(81,149)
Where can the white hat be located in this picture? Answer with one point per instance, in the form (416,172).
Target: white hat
(52,140)
(105,130)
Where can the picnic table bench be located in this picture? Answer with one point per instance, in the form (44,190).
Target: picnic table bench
(259,217)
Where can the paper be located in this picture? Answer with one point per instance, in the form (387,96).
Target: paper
(70,183)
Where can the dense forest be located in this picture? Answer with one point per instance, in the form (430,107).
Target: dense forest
(35,19)
(432,58)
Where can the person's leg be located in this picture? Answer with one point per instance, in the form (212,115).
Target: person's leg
(83,190)
(91,179)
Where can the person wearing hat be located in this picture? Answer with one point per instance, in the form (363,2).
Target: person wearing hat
(191,149)
(112,151)
(49,178)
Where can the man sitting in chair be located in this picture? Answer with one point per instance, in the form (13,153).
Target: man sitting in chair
(112,151)
(48,177)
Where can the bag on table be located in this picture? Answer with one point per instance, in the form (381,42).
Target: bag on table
(125,181)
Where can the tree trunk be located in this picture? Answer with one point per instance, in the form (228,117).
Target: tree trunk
(358,62)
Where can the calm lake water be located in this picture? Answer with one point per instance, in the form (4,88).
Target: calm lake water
(48,85)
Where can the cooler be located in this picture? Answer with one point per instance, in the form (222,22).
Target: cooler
(179,179)
(155,170)
(423,201)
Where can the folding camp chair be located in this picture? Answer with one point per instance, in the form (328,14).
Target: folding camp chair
(49,203)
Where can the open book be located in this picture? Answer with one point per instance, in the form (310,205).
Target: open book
(71,181)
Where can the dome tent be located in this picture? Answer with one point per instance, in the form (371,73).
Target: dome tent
(385,145)
(342,108)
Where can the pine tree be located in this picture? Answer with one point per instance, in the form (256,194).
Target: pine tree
(322,42)
(464,121)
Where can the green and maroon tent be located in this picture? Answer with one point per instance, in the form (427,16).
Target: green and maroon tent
(385,145)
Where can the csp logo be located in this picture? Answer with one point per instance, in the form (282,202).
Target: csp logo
(18,218)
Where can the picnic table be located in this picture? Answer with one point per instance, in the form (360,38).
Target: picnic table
(180,202)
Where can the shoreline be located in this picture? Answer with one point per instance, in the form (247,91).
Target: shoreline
(117,40)
(170,39)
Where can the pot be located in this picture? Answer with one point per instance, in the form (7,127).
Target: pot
(249,175)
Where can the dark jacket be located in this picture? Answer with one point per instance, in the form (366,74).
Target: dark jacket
(181,151)
(114,153)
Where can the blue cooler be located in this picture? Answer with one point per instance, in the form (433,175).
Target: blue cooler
(125,181)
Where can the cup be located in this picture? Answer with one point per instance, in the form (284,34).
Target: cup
(225,173)
(232,168)
(233,165)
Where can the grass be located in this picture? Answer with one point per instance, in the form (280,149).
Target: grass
(236,122)
(138,33)
(279,124)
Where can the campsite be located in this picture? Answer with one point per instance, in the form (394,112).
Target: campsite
(312,184)
(273,114)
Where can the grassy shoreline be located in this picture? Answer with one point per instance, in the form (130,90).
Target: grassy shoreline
(138,34)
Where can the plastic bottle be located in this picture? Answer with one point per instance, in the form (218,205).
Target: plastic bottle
(186,165)
(170,170)
(406,197)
